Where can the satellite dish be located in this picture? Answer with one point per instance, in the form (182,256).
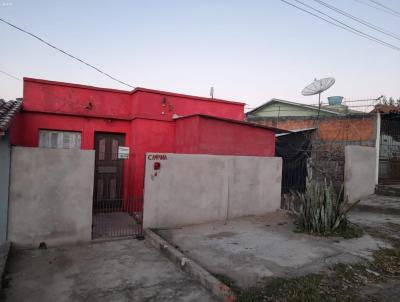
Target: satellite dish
(318,86)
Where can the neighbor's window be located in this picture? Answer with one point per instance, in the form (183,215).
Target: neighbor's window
(59,139)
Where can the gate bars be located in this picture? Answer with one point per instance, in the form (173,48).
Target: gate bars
(117,218)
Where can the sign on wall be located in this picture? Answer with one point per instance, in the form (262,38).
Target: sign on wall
(157,157)
(123,152)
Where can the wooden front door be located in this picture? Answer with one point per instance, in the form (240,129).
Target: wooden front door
(108,176)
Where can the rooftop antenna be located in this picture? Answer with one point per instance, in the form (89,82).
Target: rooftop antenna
(317,87)
(212,92)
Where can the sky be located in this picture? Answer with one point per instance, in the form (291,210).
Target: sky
(249,51)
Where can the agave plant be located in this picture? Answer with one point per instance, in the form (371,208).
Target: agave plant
(322,210)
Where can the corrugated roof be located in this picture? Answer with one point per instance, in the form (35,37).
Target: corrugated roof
(294,131)
(7,112)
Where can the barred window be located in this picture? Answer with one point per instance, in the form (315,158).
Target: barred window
(59,139)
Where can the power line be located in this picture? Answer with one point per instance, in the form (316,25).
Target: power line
(10,75)
(337,25)
(378,8)
(343,25)
(386,7)
(366,23)
(66,53)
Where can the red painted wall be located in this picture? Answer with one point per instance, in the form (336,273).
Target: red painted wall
(73,99)
(29,124)
(63,98)
(220,137)
(164,106)
(187,135)
(207,135)
(145,117)
(148,136)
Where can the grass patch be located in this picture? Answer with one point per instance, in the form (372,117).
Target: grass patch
(394,226)
(344,282)
(348,231)
(387,261)
(310,288)
(282,289)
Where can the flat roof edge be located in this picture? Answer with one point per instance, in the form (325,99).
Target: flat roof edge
(137,89)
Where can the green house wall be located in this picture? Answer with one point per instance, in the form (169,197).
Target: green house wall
(281,109)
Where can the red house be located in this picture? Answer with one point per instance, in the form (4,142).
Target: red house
(63,115)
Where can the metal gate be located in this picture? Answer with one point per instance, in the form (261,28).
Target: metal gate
(118,218)
(114,215)
(389,151)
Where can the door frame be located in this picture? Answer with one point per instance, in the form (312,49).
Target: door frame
(123,136)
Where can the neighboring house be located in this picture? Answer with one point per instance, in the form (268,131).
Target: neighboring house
(335,122)
(335,127)
(325,132)
(280,108)
(7,112)
(64,115)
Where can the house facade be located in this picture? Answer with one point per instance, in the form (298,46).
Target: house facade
(122,126)
(335,122)
(281,108)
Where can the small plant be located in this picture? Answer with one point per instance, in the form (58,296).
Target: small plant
(321,209)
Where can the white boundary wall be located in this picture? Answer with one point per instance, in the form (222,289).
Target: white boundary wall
(50,196)
(359,172)
(191,189)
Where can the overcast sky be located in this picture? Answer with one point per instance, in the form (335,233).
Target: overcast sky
(248,51)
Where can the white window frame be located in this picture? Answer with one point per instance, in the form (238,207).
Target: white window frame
(57,139)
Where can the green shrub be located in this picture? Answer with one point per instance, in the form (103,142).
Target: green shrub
(322,210)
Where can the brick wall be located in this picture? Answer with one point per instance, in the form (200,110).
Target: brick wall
(328,141)
(350,128)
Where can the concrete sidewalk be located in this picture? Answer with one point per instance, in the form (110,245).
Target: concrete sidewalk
(250,249)
(379,204)
(123,270)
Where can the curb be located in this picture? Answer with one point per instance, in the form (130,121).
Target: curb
(207,280)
